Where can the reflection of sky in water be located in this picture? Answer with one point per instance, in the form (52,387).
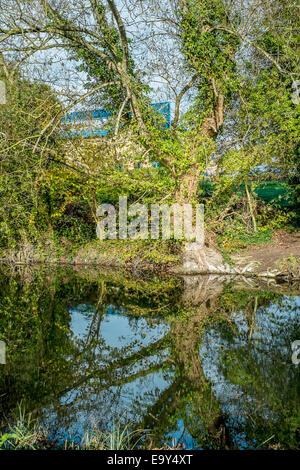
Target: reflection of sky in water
(129,401)
(123,404)
(132,400)
(181,435)
(117,329)
(271,334)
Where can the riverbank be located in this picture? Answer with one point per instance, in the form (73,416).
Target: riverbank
(37,438)
(28,434)
(278,258)
(281,255)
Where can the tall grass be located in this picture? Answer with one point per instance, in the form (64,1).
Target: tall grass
(27,433)
(119,438)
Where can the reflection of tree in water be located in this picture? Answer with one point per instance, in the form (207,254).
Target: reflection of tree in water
(249,362)
(189,400)
(155,373)
(46,363)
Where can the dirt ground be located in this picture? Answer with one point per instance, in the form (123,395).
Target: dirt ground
(282,254)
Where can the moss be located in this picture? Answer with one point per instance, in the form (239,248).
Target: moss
(122,252)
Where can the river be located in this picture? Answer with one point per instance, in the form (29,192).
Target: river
(197,362)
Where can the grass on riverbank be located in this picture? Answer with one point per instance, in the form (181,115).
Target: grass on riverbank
(269,249)
(27,434)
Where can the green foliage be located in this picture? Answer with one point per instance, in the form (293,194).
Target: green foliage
(236,236)
(24,434)
(242,112)
(23,209)
(209,51)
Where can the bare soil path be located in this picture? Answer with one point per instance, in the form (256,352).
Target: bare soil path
(282,254)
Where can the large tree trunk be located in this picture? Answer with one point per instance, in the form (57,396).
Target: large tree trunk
(188,185)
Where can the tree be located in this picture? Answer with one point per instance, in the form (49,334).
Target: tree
(104,48)
(226,49)
(24,155)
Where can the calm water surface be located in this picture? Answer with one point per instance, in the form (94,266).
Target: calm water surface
(204,362)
